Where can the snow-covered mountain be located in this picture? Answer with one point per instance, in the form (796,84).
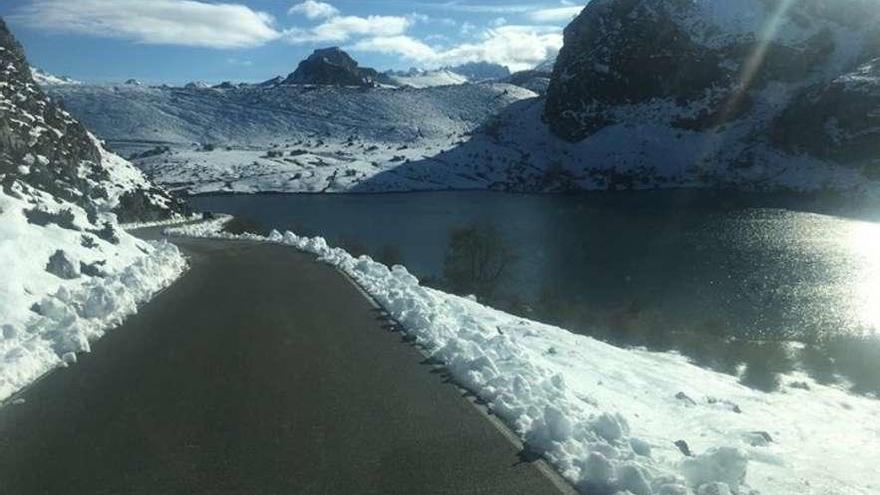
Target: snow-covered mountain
(44,78)
(287,138)
(473,72)
(752,94)
(714,90)
(419,78)
(481,71)
(69,270)
(533,80)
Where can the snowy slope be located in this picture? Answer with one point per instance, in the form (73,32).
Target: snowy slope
(256,116)
(609,418)
(428,79)
(707,84)
(69,272)
(43,78)
(287,138)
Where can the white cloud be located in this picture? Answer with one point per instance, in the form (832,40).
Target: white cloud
(342,28)
(498,21)
(404,46)
(314,10)
(167,22)
(557,14)
(517,47)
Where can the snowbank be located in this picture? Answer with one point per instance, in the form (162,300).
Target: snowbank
(174,220)
(67,280)
(608,418)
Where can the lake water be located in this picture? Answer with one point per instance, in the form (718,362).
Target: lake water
(634,268)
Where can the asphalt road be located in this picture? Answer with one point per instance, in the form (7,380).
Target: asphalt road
(259,372)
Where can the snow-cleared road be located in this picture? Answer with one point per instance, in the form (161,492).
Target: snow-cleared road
(260,371)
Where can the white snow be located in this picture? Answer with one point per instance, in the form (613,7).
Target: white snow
(73,312)
(607,418)
(44,78)
(381,140)
(428,79)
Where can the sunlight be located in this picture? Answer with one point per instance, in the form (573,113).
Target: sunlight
(864,241)
(756,59)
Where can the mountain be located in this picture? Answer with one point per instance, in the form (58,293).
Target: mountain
(45,79)
(45,148)
(481,71)
(197,85)
(418,78)
(332,67)
(292,138)
(724,88)
(533,80)
(271,83)
(70,272)
(475,72)
(547,65)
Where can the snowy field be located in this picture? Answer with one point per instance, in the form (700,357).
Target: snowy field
(609,418)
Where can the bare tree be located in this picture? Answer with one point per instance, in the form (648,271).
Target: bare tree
(477,261)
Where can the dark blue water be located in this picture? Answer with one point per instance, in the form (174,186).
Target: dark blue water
(654,262)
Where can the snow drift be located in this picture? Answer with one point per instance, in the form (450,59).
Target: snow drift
(69,271)
(622,421)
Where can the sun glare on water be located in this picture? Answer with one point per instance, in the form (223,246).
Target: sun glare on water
(864,243)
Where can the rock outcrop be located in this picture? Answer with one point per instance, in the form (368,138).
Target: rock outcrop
(802,72)
(45,148)
(332,67)
(838,121)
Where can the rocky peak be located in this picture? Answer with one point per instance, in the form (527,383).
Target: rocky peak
(334,67)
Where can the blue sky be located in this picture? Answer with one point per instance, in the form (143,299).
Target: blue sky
(175,41)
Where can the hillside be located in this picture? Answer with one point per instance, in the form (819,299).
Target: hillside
(290,138)
(752,95)
(751,92)
(71,272)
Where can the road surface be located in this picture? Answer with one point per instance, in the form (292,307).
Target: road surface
(259,372)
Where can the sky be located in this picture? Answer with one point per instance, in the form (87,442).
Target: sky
(176,41)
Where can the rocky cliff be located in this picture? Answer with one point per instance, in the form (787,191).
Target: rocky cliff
(758,76)
(44,148)
(333,67)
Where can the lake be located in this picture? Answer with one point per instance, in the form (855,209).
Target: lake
(686,270)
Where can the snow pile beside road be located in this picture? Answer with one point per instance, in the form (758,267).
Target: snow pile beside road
(614,420)
(66,280)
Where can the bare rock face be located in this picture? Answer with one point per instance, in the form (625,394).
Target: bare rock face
(705,65)
(42,146)
(332,67)
(839,121)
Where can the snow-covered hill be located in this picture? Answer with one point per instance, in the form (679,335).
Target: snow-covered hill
(69,270)
(416,78)
(752,95)
(44,78)
(287,138)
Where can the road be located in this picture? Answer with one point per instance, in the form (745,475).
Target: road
(261,371)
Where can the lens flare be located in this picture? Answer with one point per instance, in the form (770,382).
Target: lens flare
(756,59)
